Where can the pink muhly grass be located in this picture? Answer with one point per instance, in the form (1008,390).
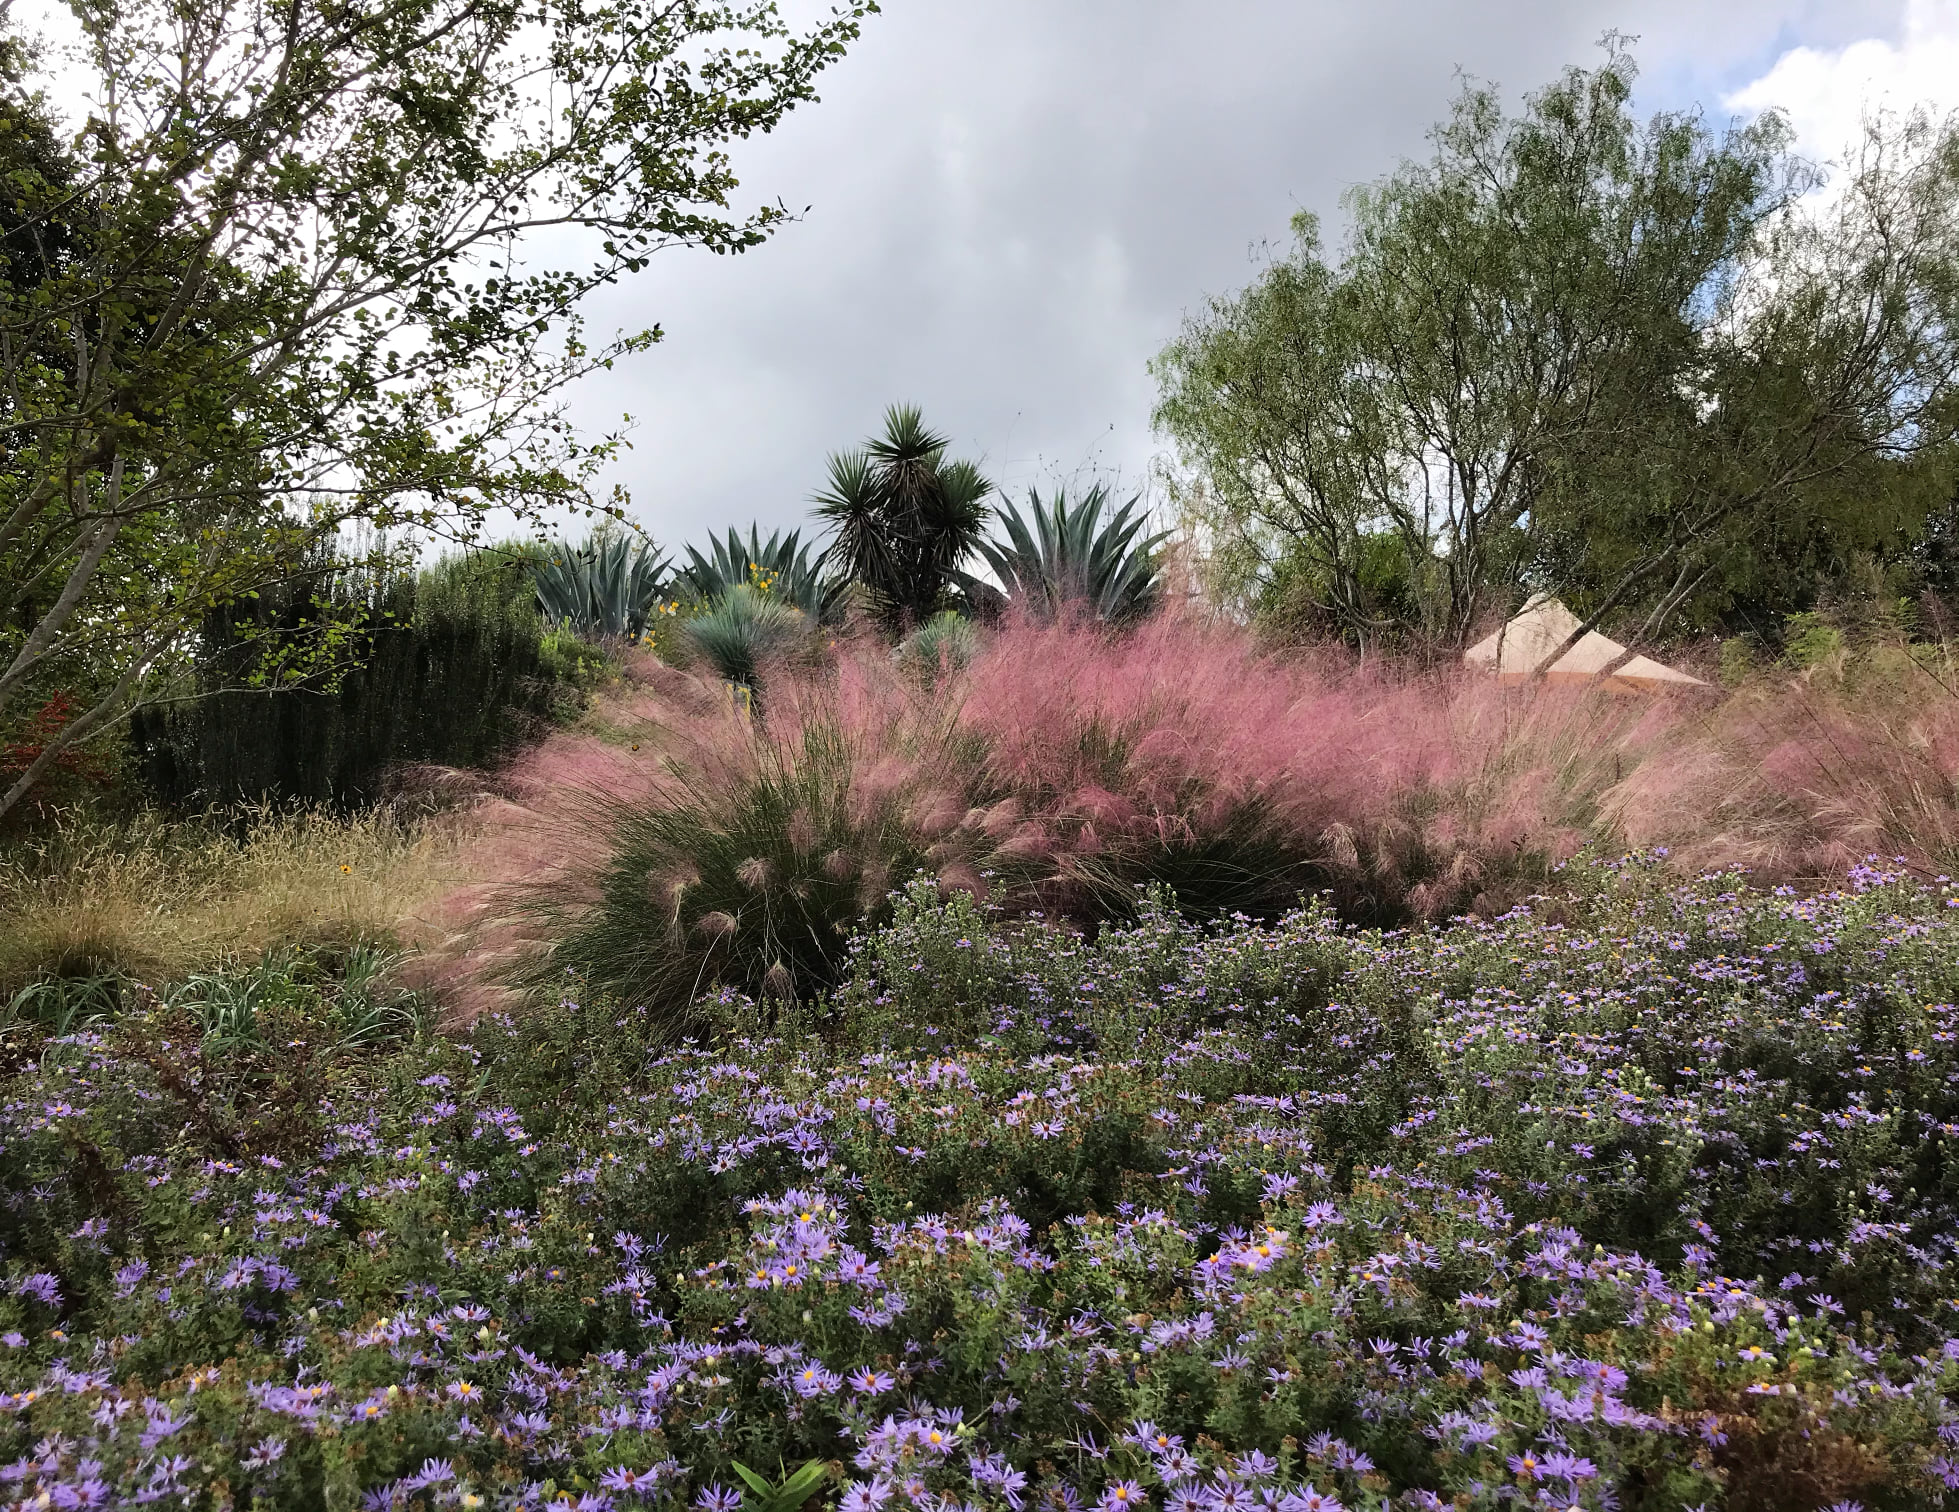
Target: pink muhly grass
(1065,765)
(691,845)
(1799,777)
(1398,787)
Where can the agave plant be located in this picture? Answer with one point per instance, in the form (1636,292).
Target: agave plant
(780,566)
(738,633)
(606,589)
(1071,555)
(905,518)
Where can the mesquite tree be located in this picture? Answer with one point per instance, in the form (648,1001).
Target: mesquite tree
(1634,363)
(313,263)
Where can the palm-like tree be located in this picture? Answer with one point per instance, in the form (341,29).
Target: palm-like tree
(1070,555)
(904,518)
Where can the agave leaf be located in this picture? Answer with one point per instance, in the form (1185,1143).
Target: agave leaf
(606,589)
(1061,553)
(782,559)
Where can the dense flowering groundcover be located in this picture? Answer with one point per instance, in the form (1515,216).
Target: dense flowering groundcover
(1641,1198)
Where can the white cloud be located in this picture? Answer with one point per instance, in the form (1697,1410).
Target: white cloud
(1827,92)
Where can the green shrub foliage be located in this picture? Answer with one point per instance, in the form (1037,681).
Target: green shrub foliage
(451,667)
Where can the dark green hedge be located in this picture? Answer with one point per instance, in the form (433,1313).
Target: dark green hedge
(451,666)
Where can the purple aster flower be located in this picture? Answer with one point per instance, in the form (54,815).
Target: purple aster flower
(1227,1496)
(264,1453)
(43,1287)
(129,1276)
(1568,1467)
(866,1496)
(434,1472)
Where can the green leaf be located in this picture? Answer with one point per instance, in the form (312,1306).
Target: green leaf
(756,1483)
(795,1488)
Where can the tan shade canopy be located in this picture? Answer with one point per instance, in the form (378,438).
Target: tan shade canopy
(1517,649)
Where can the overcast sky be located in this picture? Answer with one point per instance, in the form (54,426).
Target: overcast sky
(1014,202)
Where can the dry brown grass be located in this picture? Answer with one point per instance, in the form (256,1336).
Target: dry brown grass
(157,899)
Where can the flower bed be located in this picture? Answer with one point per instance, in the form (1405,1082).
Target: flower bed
(1643,1200)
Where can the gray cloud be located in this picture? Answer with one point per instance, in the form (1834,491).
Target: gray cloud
(1012,203)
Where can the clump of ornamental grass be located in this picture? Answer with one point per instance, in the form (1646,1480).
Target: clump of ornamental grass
(691,841)
(1181,753)
(744,630)
(1800,775)
(154,898)
(947,642)
(703,842)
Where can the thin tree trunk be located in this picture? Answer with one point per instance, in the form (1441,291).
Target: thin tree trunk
(76,729)
(72,591)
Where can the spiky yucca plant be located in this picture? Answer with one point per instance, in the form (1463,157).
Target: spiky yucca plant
(1071,555)
(905,518)
(605,590)
(779,566)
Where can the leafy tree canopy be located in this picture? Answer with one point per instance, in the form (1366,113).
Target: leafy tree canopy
(286,278)
(1639,364)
